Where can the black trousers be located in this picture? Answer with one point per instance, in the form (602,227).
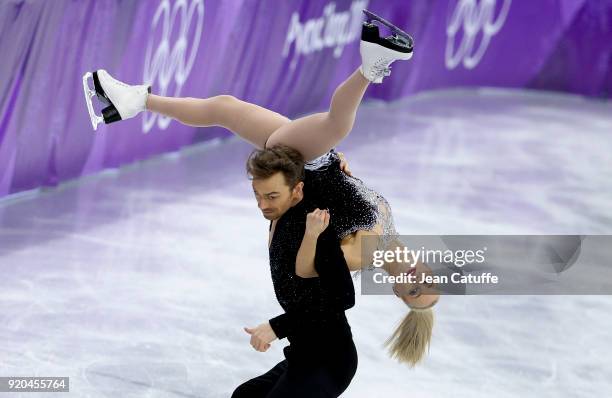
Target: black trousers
(305,373)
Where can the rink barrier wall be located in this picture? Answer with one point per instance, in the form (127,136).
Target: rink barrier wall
(288,56)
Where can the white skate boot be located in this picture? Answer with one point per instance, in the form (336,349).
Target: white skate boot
(378,53)
(123,101)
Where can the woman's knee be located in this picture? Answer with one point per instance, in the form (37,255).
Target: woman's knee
(225,103)
(341,125)
(226,98)
(226,110)
(219,102)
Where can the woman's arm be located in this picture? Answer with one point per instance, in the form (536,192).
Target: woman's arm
(316,223)
(304,262)
(357,244)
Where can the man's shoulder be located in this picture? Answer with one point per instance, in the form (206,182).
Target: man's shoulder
(312,201)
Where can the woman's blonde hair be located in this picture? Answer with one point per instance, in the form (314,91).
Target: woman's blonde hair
(412,337)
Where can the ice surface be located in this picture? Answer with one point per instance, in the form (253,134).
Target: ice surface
(138,283)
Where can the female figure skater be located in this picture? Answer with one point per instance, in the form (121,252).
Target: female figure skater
(311,137)
(309,249)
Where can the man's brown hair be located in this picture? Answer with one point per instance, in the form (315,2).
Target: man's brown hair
(264,163)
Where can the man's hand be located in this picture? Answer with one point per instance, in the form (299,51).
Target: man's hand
(316,222)
(261,336)
(344,164)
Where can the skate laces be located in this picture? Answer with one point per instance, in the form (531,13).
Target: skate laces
(382,67)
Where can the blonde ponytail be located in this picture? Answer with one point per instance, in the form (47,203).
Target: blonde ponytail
(412,337)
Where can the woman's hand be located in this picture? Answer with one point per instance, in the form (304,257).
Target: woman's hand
(261,336)
(316,222)
(344,164)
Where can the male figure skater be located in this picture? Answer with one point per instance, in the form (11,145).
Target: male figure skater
(311,279)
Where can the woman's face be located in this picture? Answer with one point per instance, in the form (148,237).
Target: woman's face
(420,294)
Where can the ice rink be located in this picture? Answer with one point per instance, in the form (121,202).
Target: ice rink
(138,282)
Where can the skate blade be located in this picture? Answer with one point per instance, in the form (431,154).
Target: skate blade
(400,41)
(402,36)
(89,94)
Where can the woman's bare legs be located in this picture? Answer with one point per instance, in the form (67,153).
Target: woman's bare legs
(312,135)
(315,134)
(251,122)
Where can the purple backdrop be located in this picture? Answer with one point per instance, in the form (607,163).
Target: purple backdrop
(285,55)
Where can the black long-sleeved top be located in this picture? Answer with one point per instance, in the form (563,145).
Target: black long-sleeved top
(315,306)
(312,305)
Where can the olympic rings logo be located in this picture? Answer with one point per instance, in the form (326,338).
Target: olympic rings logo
(171,61)
(473,17)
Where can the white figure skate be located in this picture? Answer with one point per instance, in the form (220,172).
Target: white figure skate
(122,100)
(378,53)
